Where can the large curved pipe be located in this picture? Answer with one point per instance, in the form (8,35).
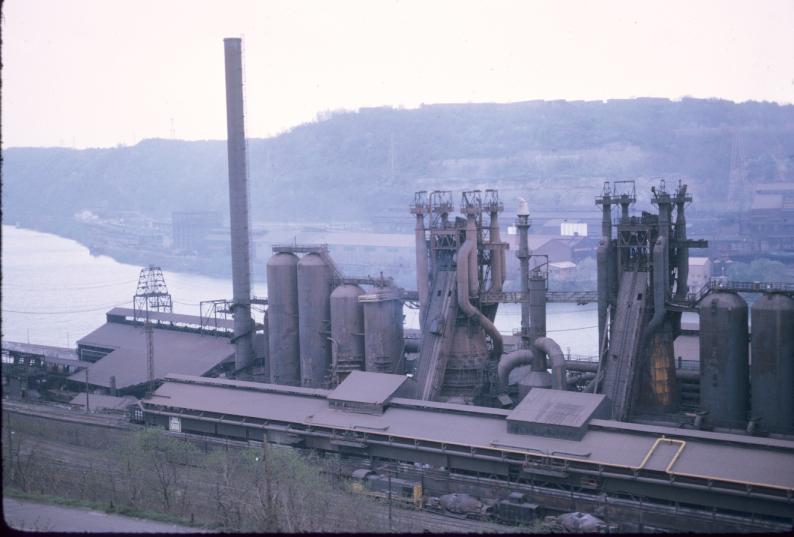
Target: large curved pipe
(465,304)
(508,362)
(557,359)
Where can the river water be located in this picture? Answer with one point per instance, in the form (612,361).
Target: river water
(54,292)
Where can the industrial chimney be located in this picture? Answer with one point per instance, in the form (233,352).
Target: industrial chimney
(238,206)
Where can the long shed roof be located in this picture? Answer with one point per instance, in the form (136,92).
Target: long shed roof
(629,448)
(174,352)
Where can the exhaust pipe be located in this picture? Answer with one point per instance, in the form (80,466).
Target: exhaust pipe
(465,253)
(554,355)
(508,362)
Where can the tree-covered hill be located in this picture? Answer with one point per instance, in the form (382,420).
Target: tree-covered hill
(353,164)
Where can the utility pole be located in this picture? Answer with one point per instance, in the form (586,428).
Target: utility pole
(149,330)
(86,390)
(387,470)
(389,500)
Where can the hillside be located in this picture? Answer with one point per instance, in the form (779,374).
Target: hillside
(351,165)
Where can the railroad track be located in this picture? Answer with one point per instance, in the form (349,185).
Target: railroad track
(79,459)
(77,455)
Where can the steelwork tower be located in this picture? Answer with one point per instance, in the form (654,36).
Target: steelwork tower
(238,206)
(152,293)
(642,279)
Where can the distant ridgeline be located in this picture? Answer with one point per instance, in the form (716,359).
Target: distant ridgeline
(354,165)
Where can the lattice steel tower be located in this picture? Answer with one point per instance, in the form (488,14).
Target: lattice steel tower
(152,295)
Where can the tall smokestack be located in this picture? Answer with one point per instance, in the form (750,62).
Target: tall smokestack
(238,205)
(522,223)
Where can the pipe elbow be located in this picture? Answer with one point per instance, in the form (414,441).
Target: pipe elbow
(508,362)
(554,353)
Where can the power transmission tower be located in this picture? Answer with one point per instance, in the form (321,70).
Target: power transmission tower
(152,295)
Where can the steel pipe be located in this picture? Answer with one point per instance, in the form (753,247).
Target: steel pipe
(555,356)
(464,302)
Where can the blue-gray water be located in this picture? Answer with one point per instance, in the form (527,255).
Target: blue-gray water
(54,292)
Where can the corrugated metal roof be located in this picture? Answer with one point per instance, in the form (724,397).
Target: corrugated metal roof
(174,352)
(367,387)
(704,457)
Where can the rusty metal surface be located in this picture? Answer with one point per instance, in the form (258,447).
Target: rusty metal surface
(314,319)
(772,367)
(282,319)
(383,329)
(347,330)
(724,369)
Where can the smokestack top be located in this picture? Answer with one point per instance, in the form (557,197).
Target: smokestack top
(523,207)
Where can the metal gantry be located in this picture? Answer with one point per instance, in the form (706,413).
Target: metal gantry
(152,293)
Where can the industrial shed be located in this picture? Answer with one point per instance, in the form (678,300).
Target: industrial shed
(180,346)
(474,438)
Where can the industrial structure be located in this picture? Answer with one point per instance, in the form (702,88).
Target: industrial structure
(554,446)
(344,378)
(322,325)
(115,355)
(238,206)
(640,272)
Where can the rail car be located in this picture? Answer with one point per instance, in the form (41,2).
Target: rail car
(369,483)
(514,510)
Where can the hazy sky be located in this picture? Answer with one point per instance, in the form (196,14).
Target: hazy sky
(93,73)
